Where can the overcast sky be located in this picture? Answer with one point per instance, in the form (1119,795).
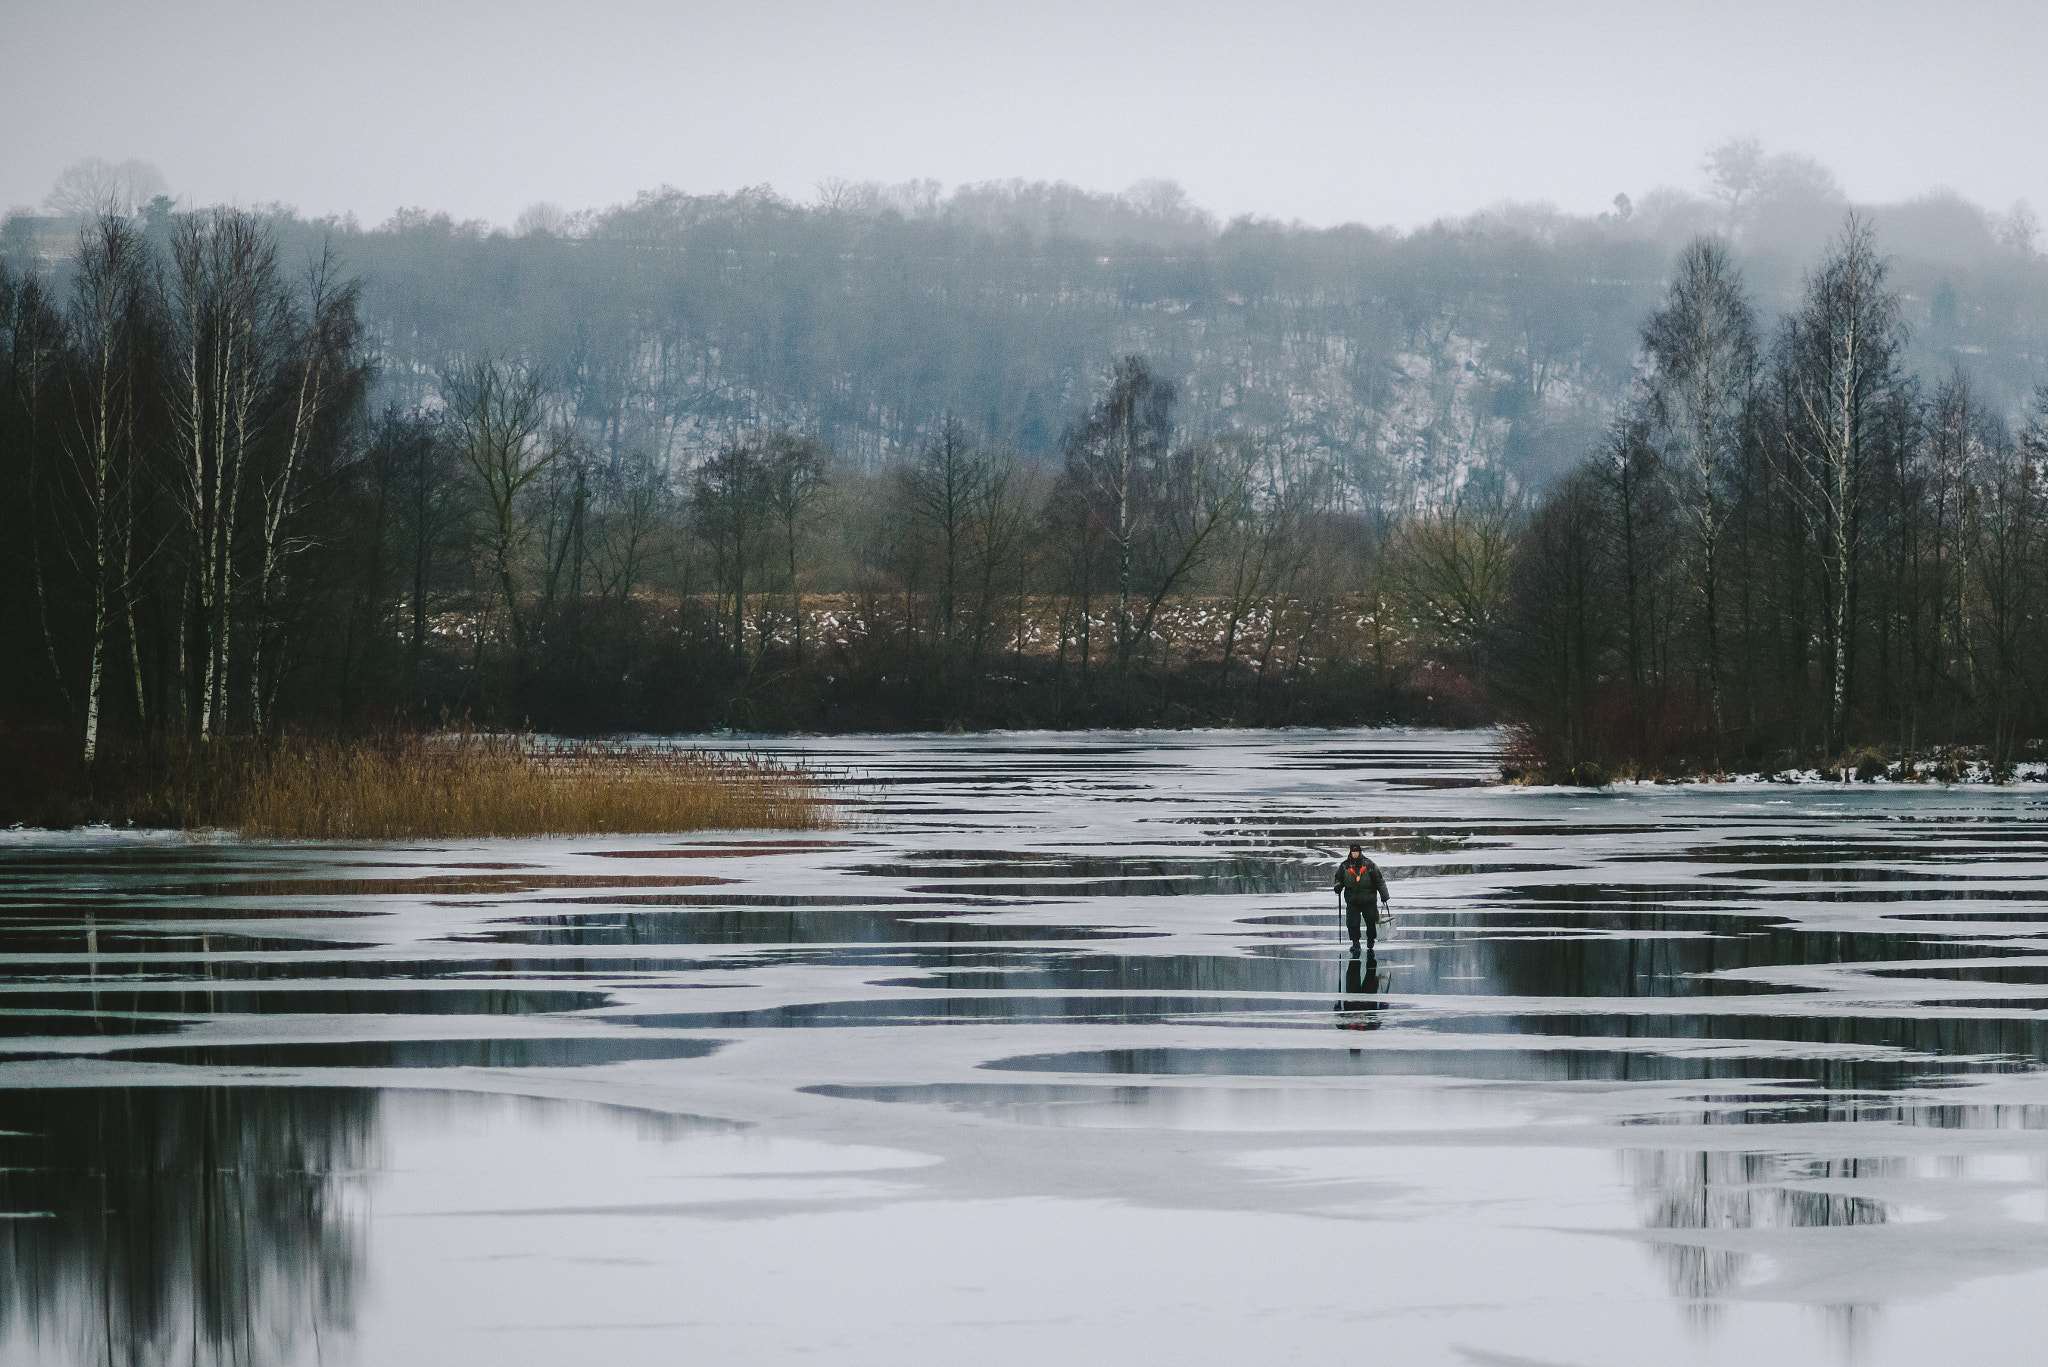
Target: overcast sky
(1324,112)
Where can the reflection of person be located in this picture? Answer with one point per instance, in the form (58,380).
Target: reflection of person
(1359,981)
(1364,889)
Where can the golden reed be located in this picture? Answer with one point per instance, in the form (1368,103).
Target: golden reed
(435,787)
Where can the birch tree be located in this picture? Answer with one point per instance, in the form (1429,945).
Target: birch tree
(99,441)
(1841,348)
(223,314)
(1114,458)
(316,374)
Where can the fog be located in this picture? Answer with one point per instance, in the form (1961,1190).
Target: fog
(1321,112)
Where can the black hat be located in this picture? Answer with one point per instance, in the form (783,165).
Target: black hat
(1357,848)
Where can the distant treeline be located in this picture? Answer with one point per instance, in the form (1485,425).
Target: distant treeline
(868,316)
(212,534)
(236,502)
(1788,546)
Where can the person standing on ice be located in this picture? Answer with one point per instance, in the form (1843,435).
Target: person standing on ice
(1364,890)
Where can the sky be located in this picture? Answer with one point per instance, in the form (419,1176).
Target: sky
(1319,112)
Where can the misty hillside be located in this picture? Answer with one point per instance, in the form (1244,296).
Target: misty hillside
(1754,474)
(1501,340)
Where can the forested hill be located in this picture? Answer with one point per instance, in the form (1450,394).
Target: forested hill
(1025,456)
(1399,358)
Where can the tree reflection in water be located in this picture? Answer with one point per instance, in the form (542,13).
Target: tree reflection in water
(1688,1192)
(188,1225)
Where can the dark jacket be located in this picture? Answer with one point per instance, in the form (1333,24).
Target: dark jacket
(1360,880)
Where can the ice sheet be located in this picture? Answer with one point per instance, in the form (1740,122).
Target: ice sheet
(1052,1054)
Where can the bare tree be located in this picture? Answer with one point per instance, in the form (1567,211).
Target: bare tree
(2019,229)
(563,504)
(1264,547)
(1737,170)
(639,490)
(1956,437)
(96,188)
(999,518)
(498,421)
(108,294)
(1202,491)
(424,494)
(794,477)
(729,497)
(940,489)
(395,543)
(2006,542)
(1842,348)
(224,314)
(541,217)
(1073,530)
(1703,346)
(37,345)
(1113,459)
(1457,558)
(317,375)
(1555,626)
(1634,483)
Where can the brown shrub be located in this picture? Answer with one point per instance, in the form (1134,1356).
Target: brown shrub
(1527,758)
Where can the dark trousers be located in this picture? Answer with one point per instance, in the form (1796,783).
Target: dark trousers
(1366,912)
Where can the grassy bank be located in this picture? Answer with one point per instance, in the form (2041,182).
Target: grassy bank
(427,787)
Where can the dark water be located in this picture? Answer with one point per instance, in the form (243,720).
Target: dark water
(1054,1053)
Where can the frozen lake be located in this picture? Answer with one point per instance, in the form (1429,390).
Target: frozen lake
(1052,1056)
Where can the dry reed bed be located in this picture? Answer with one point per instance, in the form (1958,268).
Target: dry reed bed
(443,787)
